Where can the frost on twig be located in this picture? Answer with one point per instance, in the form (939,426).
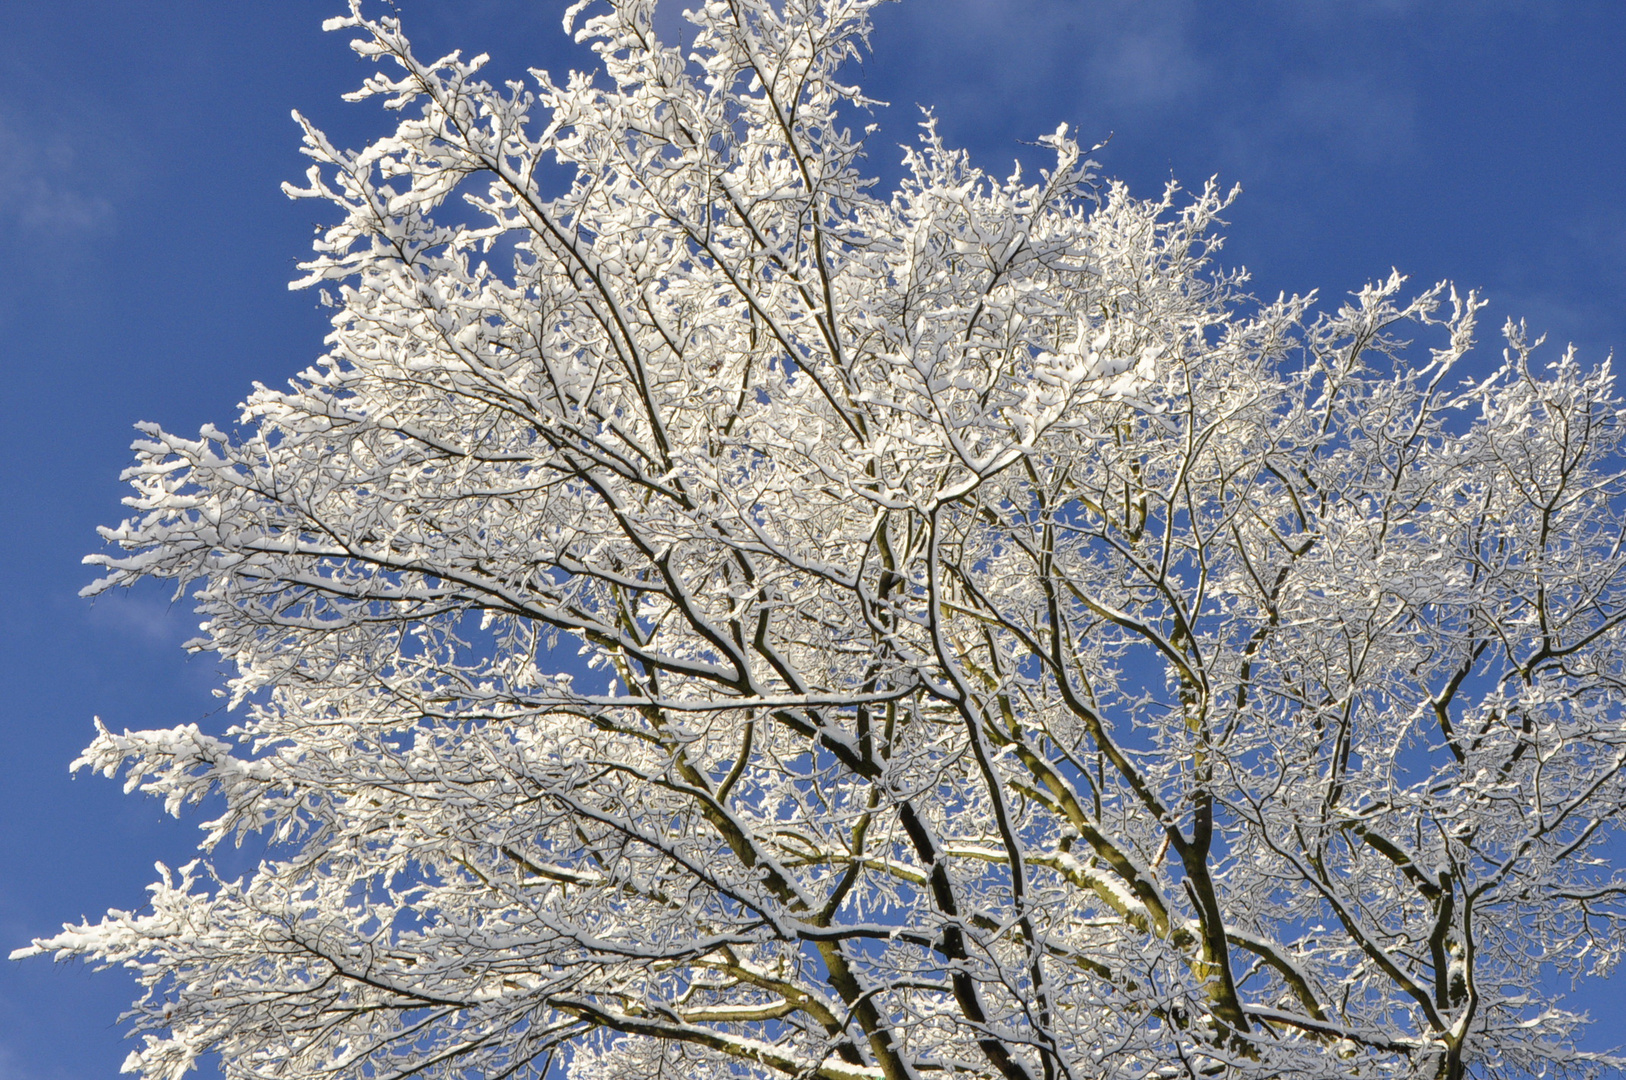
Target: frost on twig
(1006,649)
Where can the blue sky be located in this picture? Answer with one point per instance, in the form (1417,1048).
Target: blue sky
(145,248)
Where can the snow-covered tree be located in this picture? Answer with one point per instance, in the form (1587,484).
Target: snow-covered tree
(1007,649)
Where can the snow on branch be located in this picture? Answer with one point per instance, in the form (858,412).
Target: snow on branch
(709,618)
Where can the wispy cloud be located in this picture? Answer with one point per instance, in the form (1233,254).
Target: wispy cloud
(1135,53)
(1141,55)
(1601,234)
(9,1068)
(1555,284)
(41,186)
(1330,11)
(147,614)
(1355,114)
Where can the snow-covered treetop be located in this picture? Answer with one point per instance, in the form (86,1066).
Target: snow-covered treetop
(1006,649)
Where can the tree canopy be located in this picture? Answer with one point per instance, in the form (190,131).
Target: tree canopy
(704,618)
